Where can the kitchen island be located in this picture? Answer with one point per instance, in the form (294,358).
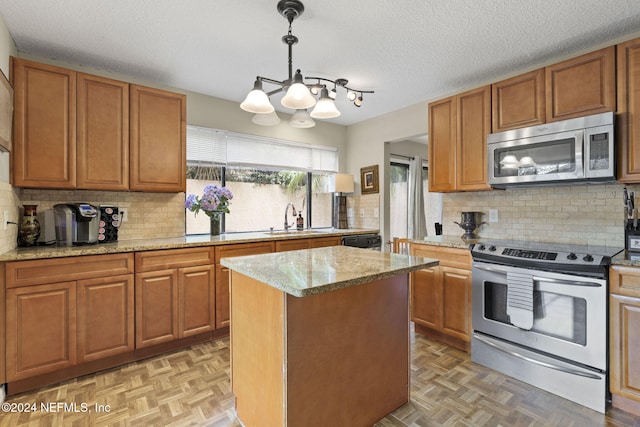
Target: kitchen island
(321,336)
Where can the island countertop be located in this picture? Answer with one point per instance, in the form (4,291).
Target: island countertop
(313,271)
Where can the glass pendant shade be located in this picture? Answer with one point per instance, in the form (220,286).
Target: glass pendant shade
(301,119)
(325,107)
(257,101)
(298,96)
(268,119)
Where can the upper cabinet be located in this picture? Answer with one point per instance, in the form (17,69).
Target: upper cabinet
(458,129)
(44,149)
(518,102)
(158,140)
(75,130)
(629,109)
(581,86)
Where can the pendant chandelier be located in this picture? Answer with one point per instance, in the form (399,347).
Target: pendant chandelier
(301,91)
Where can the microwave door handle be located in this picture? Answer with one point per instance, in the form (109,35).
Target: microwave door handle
(567,282)
(536,361)
(493,269)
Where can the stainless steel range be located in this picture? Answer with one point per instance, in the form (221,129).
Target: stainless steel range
(540,315)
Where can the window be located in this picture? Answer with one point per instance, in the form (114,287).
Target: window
(264,175)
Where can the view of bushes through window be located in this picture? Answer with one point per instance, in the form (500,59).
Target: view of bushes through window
(260,197)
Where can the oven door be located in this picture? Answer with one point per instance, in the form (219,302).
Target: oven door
(568,313)
(537,159)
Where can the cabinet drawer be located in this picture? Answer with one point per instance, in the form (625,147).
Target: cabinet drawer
(448,257)
(243,249)
(53,270)
(624,280)
(173,258)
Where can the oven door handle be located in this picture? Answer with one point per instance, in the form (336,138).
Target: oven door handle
(537,362)
(567,282)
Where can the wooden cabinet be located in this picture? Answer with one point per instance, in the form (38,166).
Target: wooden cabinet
(105,313)
(458,129)
(75,130)
(628,56)
(158,140)
(581,86)
(441,296)
(61,312)
(175,294)
(223,276)
(297,244)
(624,324)
(102,133)
(44,146)
(518,102)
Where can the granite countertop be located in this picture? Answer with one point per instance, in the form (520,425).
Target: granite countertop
(629,259)
(313,271)
(447,241)
(136,245)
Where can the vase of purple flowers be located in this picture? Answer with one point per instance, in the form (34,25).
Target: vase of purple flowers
(214,202)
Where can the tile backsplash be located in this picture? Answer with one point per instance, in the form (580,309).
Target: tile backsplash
(582,214)
(149,215)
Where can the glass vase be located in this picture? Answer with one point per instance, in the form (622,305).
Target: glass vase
(215,224)
(29,229)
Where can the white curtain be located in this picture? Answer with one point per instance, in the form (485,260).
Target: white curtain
(417,228)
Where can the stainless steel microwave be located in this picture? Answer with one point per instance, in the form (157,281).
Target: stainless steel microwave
(574,150)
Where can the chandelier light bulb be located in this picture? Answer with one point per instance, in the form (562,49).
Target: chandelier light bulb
(325,107)
(298,96)
(358,101)
(257,100)
(351,95)
(268,119)
(301,119)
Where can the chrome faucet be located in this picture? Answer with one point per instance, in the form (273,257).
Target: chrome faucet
(286,219)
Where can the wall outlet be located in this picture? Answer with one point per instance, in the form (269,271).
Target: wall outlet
(124,214)
(376,212)
(493,215)
(361,213)
(350,212)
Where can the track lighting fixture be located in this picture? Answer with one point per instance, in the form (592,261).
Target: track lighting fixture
(300,95)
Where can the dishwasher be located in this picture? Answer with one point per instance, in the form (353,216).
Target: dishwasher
(365,241)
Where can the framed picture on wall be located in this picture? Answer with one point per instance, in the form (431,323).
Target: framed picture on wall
(6,113)
(369,180)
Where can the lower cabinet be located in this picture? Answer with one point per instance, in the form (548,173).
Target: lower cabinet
(441,296)
(48,325)
(222,274)
(175,295)
(624,324)
(296,244)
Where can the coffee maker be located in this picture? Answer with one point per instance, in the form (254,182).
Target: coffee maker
(76,224)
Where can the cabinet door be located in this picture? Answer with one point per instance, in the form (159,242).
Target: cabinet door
(518,102)
(103,133)
(44,150)
(625,346)
(105,317)
(581,86)
(41,329)
(442,145)
(629,111)
(157,140)
(156,307)
(197,300)
(473,126)
(426,298)
(456,303)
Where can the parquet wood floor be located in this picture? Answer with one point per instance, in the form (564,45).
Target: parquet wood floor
(191,388)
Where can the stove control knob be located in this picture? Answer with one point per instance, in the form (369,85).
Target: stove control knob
(587,258)
(492,248)
(572,256)
(482,247)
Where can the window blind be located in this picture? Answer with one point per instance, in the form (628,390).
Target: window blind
(236,149)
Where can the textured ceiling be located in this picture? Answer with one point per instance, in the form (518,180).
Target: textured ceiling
(408,51)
